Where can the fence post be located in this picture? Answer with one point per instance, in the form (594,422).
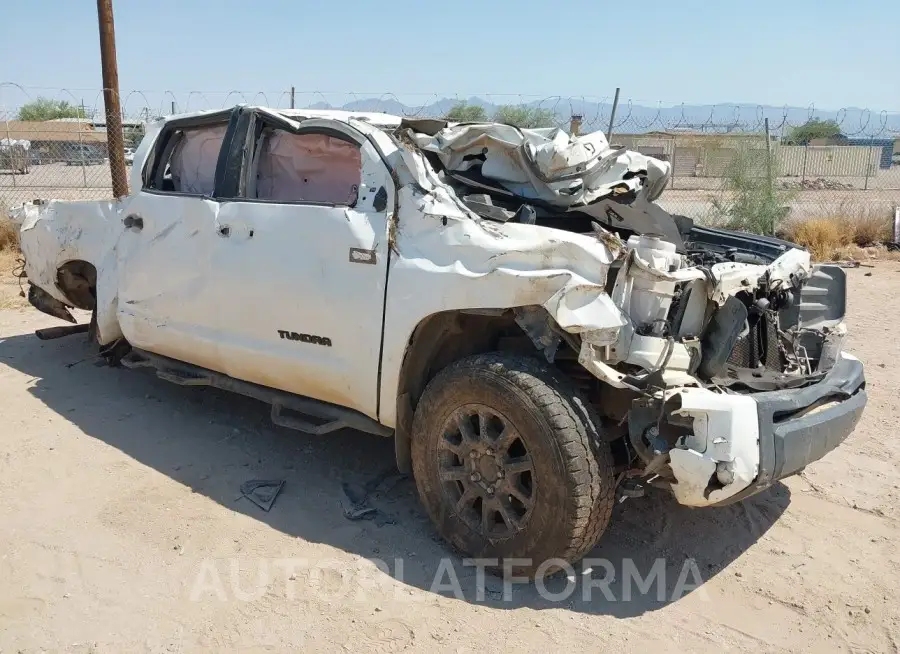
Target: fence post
(674,151)
(612,116)
(81,156)
(9,148)
(805,155)
(896,230)
(868,162)
(769,181)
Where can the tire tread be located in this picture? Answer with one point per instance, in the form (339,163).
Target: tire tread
(587,460)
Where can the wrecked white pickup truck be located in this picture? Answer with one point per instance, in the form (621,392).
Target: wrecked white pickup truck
(509,305)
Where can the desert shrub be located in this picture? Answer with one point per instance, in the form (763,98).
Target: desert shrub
(750,201)
(9,234)
(838,232)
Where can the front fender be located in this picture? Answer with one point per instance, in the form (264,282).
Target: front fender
(446,260)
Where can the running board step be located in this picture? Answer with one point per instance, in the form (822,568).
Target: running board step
(184,379)
(292,422)
(334,417)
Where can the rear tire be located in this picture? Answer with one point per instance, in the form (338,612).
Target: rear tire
(509,463)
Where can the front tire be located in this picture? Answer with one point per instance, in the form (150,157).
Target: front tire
(509,463)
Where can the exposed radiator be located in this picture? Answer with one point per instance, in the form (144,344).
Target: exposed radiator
(759,346)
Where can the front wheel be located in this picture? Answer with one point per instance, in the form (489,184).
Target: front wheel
(509,463)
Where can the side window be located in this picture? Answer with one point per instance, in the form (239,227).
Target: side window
(312,168)
(188,160)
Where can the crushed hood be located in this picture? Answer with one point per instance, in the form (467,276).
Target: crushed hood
(544,164)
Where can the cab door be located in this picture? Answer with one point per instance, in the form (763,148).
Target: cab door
(300,259)
(166,301)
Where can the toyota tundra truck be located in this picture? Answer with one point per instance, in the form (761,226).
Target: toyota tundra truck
(510,306)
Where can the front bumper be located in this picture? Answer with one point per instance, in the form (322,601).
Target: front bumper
(800,426)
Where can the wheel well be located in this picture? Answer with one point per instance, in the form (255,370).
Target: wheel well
(439,340)
(442,338)
(78,282)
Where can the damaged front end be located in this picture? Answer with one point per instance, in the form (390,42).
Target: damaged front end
(702,337)
(698,343)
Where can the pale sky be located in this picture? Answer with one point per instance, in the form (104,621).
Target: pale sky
(826,53)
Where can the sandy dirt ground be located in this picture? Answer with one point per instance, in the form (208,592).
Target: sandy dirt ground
(121,531)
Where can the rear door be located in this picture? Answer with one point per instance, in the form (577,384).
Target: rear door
(300,259)
(166,300)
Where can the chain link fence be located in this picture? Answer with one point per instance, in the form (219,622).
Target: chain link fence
(719,154)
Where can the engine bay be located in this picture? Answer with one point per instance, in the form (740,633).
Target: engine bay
(704,306)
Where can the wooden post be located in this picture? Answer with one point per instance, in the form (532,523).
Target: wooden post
(114,140)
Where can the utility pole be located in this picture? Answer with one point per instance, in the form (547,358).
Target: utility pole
(114,140)
(292,97)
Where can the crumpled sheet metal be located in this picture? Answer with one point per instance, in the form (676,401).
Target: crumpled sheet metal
(546,164)
(70,231)
(447,259)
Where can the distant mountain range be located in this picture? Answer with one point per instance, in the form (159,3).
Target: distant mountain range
(637,119)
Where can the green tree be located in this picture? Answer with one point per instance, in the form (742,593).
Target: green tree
(467,113)
(814,129)
(526,117)
(45,109)
(750,199)
(133,134)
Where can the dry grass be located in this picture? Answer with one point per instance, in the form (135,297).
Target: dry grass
(10,287)
(853,231)
(9,235)
(821,236)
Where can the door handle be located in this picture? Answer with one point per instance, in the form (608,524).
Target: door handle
(133,221)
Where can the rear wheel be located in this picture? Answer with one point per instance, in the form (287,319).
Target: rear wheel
(509,464)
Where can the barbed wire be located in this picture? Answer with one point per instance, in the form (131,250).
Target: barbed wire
(69,159)
(595,111)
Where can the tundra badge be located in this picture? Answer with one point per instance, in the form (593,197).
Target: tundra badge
(305,338)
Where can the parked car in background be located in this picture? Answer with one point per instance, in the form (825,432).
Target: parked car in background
(83,155)
(129,156)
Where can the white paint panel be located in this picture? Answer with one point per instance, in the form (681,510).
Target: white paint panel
(165,278)
(472,263)
(726,432)
(289,267)
(76,231)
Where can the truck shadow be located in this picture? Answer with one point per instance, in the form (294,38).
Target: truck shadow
(212,442)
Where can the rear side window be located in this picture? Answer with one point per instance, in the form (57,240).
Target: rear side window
(188,161)
(307,168)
